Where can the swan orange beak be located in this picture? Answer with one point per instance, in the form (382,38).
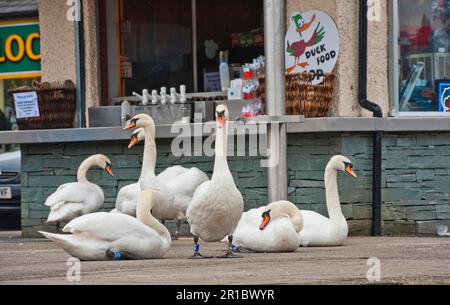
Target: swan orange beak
(349,170)
(134,140)
(221,120)
(265,222)
(307,25)
(108,169)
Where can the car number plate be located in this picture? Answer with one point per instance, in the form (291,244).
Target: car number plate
(5,193)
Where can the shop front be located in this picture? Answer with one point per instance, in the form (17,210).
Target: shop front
(163,58)
(20,61)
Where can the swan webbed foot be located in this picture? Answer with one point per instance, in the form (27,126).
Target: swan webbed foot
(237,249)
(230,254)
(197,255)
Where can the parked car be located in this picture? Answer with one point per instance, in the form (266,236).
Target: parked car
(10,190)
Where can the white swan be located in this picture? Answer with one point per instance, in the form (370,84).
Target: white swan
(319,231)
(182,181)
(174,187)
(127,197)
(217,205)
(278,231)
(72,200)
(103,236)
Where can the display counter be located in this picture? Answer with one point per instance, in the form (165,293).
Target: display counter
(319,125)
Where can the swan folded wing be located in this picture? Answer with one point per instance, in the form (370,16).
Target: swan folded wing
(53,199)
(127,198)
(184,186)
(107,226)
(313,220)
(186,183)
(171,172)
(76,193)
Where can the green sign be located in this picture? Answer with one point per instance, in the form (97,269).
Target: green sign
(20,51)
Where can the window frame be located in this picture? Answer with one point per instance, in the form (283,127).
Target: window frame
(394,69)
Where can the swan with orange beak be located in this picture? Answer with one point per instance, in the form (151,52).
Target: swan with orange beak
(318,230)
(174,187)
(72,200)
(217,205)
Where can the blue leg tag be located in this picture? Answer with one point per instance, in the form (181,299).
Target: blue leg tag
(117,256)
(235,248)
(196,248)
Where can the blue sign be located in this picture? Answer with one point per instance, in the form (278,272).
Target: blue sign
(444,97)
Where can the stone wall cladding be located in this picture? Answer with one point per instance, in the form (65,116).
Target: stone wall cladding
(416,177)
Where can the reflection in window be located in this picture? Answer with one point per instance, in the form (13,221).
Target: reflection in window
(156,41)
(156,45)
(424,69)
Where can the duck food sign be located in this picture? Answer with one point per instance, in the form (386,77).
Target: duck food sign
(312,44)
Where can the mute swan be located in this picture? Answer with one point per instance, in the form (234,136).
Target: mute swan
(72,200)
(278,231)
(103,236)
(217,205)
(174,187)
(127,197)
(319,231)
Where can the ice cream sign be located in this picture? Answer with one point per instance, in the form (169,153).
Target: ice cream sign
(312,44)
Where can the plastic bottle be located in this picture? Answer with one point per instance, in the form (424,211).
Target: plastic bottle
(125,112)
(224,73)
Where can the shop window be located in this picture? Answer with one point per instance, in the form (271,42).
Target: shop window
(7,118)
(423,53)
(170,43)
(156,44)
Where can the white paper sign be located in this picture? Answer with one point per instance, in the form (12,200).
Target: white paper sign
(26,105)
(212,82)
(312,44)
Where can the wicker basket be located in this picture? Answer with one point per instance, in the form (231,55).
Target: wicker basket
(57,105)
(304,98)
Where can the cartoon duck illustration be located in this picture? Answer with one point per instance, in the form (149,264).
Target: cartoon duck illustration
(298,48)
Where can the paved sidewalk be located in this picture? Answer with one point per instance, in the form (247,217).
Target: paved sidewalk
(404,261)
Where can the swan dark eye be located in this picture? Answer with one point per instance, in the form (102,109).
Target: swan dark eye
(220,114)
(348,165)
(265,214)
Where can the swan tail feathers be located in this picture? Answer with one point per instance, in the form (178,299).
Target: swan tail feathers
(57,238)
(52,218)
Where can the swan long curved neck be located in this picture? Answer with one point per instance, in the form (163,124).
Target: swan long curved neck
(144,215)
(286,208)
(221,151)
(332,194)
(149,161)
(83,169)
